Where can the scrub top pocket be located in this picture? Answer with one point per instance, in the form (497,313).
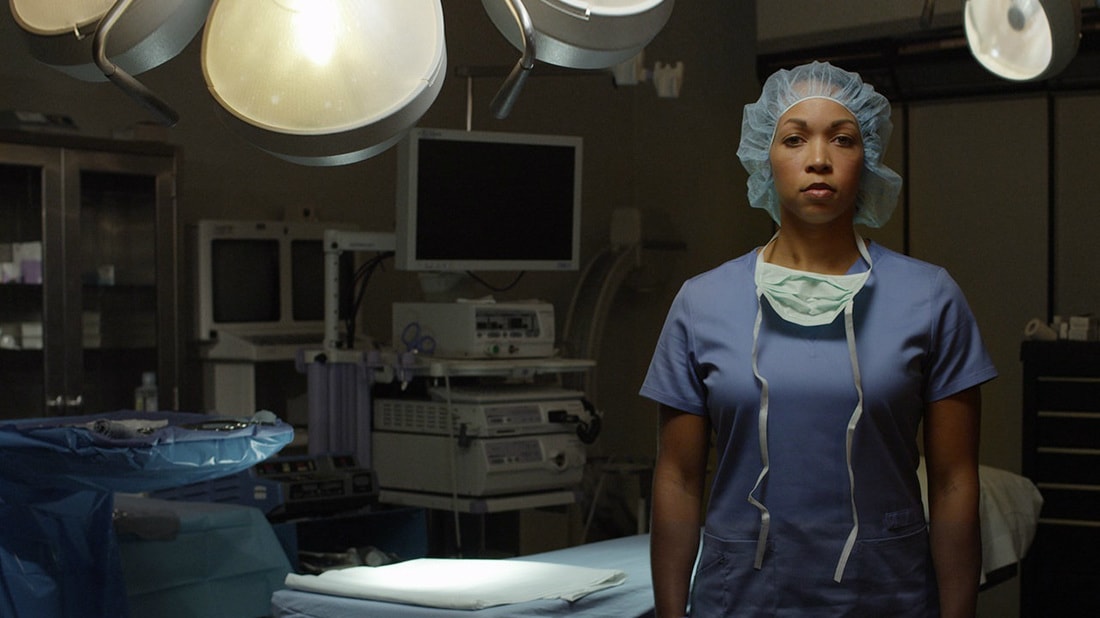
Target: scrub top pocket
(894,577)
(725,578)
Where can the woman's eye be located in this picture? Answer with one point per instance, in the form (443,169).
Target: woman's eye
(792,140)
(845,140)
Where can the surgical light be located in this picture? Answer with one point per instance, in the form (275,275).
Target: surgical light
(1023,40)
(324,82)
(98,40)
(576,34)
(58,32)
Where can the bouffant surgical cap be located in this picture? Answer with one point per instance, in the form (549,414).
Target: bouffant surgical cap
(879,185)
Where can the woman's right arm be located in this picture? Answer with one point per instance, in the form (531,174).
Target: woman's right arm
(678,482)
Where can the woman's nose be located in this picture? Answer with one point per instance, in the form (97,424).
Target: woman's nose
(817,156)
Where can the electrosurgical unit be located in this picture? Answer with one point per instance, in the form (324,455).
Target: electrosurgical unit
(487,467)
(475,329)
(482,414)
(498,440)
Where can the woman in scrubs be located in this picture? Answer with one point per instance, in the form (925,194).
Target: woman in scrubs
(810,364)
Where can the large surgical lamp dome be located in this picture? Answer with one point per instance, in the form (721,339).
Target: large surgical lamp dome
(1023,40)
(59,32)
(584,34)
(576,34)
(324,82)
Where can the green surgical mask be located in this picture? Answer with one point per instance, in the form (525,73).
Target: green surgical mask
(806,298)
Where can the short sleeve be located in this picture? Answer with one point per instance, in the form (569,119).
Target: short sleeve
(958,358)
(673,378)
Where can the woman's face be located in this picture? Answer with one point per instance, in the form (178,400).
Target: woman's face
(816,158)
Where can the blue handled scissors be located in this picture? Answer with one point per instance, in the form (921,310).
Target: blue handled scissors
(414,341)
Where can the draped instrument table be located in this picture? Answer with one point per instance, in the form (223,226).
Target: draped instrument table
(59,555)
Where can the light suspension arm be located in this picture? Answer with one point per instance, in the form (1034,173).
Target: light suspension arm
(126,82)
(927,13)
(506,97)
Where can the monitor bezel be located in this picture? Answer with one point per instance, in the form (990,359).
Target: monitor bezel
(408,204)
(206,233)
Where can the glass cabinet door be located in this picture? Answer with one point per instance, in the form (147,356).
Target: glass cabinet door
(89,287)
(29,178)
(122,270)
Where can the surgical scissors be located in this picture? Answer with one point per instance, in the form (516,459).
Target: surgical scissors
(415,342)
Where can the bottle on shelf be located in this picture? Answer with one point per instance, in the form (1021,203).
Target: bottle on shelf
(145,395)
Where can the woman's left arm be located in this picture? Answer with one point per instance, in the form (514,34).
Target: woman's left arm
(951,434)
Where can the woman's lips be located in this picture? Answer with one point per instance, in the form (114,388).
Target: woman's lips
(819,190)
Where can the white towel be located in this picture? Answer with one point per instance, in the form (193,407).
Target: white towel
(460,583)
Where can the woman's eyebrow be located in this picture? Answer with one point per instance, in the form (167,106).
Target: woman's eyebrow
(836,123)
(797,121)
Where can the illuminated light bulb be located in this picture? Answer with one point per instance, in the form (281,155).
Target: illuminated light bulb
(47,17)
(324,82)
(313,30)
(1023,40)
(59,33)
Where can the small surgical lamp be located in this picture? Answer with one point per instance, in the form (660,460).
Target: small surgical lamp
(1023,40)
(576,34)
(98,40)
(324,82)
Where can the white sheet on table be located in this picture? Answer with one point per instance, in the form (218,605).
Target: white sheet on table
(1009,512)
(460,583)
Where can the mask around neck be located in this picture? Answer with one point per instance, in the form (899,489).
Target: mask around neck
(807,298)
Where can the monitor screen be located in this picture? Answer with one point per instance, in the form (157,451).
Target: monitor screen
(475,200)
(307,294)
(245,280)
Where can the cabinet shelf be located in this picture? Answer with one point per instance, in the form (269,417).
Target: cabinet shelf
(20,299)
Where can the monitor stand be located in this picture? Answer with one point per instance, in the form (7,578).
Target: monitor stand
(447,286)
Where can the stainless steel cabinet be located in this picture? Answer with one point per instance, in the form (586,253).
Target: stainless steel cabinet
(88,277)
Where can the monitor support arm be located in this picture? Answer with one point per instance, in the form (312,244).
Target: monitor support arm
(337,242)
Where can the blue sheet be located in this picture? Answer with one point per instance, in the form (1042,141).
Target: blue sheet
(220,561)
(98,452)
(632,599)
(59,555)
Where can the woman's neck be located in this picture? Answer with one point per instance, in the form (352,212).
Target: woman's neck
(829,251)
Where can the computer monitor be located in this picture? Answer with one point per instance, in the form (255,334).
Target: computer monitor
(255,278)
(488,201)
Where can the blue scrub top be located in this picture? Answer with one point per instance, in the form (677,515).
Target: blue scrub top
(917,342)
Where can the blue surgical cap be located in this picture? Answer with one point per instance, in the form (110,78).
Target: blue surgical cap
(879,185)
